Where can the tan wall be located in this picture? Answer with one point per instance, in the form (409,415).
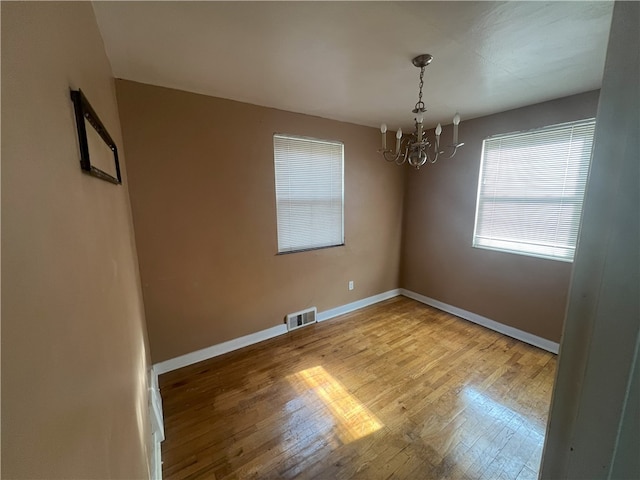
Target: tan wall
(437,258)
(74,354)
(203,199)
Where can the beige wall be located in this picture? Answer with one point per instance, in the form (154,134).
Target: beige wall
(203,199)
(74,354)
(437,258)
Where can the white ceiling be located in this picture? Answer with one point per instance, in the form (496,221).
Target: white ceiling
(351,61)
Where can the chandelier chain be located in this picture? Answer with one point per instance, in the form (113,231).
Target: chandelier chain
(420,105)
(421,84)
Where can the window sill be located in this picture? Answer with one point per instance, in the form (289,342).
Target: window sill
(309,249)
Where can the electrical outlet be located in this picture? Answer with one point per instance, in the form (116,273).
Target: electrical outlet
(350,284)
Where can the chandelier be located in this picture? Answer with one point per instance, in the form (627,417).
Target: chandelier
(416,149)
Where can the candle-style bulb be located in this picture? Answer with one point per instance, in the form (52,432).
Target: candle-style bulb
(438,130)
(456,121)
(399,134)
(383,130)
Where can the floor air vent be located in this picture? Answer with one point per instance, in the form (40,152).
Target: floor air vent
(301,318)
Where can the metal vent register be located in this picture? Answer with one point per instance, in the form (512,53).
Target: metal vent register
(301,318)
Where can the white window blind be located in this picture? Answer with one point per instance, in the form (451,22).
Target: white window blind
(531,189)
(309,192)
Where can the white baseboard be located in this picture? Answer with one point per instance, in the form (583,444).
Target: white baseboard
(245,341)
(155,472)
(350,307)
(219,349)
(157,426)
(236,343)
(512,332)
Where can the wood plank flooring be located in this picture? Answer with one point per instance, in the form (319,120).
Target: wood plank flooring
(396,390)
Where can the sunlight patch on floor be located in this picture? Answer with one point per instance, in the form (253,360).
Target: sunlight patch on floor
(352,419)
(485,405)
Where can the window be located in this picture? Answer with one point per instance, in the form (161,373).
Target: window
(531,189)
(309,193)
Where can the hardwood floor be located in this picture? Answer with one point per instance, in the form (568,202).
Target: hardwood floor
(395,390)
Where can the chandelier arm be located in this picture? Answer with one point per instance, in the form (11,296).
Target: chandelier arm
(407,142)
(405,155)
(427,151)
(454,149)
(436,154)
(394,158)
(430,153)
